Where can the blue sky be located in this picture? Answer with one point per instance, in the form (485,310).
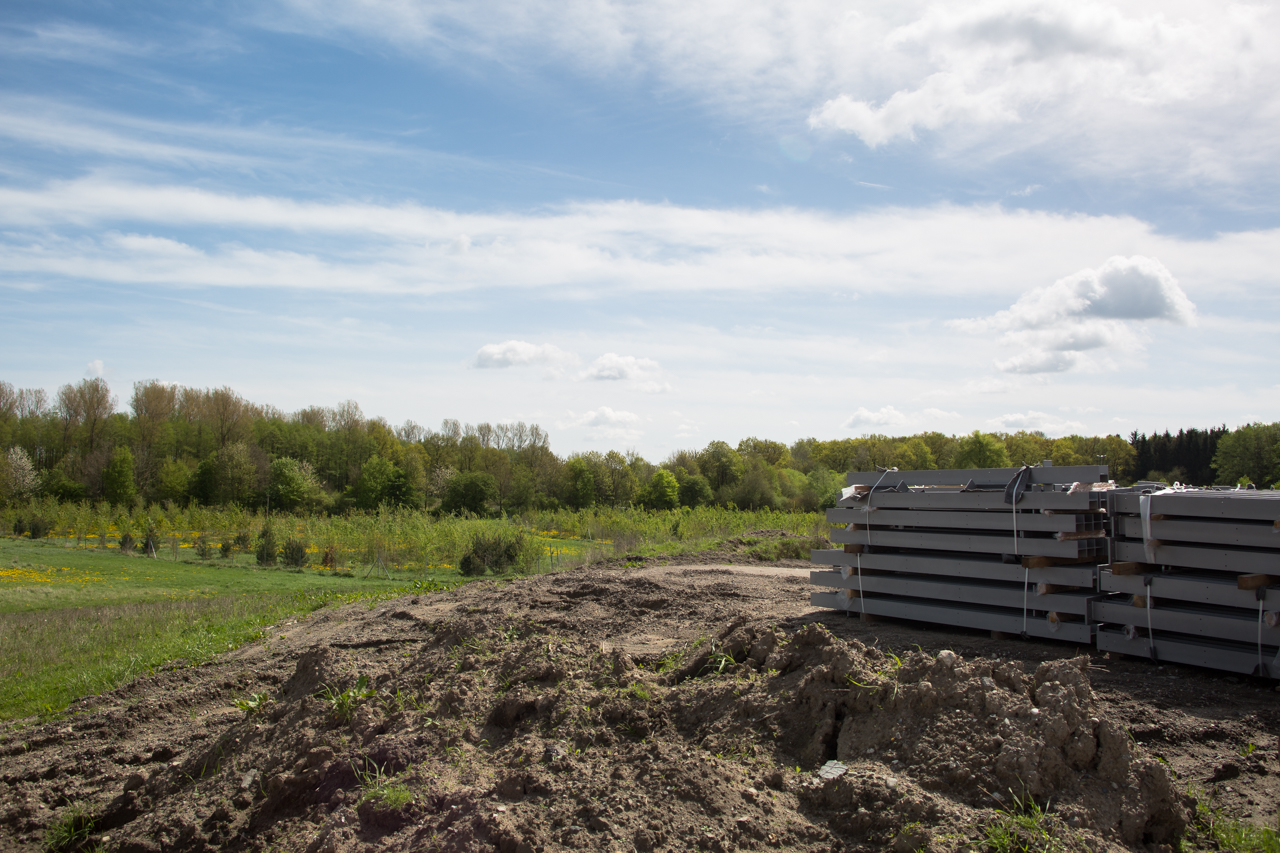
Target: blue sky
(652,225)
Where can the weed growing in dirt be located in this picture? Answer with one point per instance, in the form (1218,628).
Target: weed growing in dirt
(383,791)
(1024,827)
(1233,835)
(253,703)
(639,691)
(69,831)
(344,703)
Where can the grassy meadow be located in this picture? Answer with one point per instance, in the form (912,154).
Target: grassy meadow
(80,615)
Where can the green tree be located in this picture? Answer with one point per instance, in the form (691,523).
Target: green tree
(118,485)
(580,484)
(173,481)
(981,450)
(758,488)
(773,452)
(720,464)
(662,491)
(695,490)
(914,455)
(470,491)
(381,482)
(293,484)
(1248,452)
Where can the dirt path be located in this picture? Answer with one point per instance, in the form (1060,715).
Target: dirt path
(652,707)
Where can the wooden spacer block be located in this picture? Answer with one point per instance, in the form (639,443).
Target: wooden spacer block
(854,549)
(1131,568)
(1073,535)
(1139,601)
(1255,581)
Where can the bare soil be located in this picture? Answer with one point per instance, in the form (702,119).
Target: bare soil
(635,705)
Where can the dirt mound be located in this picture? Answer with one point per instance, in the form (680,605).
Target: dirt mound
(589,710)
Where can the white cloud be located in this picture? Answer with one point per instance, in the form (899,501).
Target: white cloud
(519,354)
(1090,310)
(617,425)
(612,366)
(1033,420)
(593,249)
(886,416)
(1118,88)
(95,368)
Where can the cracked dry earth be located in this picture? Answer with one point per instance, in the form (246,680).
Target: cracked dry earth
(639,706)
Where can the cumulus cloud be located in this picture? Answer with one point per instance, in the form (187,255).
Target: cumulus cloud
(520,353)
(1033,420)
(615,424)
(1093,309)
(885,416)
(95,369)
(612,366)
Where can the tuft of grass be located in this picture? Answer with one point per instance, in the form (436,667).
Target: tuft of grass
(1231,834)
(639,691)
(1024,827)
(385,792)
(69,831)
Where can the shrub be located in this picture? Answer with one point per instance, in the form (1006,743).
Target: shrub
(126,542)
(268,550)
(151,541)
(294,553)
(39,527)
(330,558)
(203,549)
(227,550)
(19,526)
(243,540)
(500,551)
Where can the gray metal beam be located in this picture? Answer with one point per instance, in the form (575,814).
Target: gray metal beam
(960,476)
(954,499)
(1255,506)
(1221,656)
(964,617)
(1241,627)
(971,543)
(1030,521)
(962,592)
(1191,557)
(1257,535)
(1220,590)
(946,565)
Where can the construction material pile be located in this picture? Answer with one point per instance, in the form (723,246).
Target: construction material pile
(1192,576)
(1002,549)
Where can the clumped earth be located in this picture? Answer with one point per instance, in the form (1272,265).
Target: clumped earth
(636,705)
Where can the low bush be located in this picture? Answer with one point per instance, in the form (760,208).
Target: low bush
(500,550)
(203,549)
(227,550)
(19,526)
(126,542)
(39,527)
(294,553)
(268,550)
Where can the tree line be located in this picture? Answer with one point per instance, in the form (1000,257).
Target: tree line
(213,447)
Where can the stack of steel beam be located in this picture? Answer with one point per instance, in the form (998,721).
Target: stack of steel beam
(1194,578)
(1001,549)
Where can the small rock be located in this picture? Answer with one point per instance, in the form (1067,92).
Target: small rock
(946,657)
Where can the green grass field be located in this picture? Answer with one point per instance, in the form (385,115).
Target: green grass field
(78,622)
